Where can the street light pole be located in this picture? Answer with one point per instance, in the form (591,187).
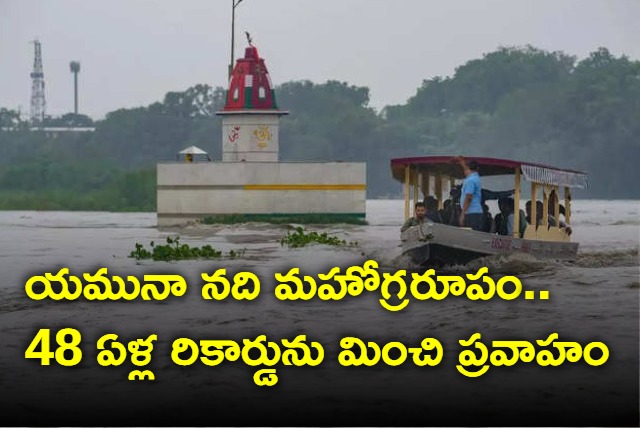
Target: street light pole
(234,4)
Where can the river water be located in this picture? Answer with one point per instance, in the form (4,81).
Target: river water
(594,298)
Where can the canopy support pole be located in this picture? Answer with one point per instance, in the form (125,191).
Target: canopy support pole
(424,183)
(414,179)
(438,189)
(545,206)
(407,174)
(556,206)
(567,205)
(534,205)
(516,205)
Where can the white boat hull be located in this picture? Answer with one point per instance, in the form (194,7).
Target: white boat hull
(438,244)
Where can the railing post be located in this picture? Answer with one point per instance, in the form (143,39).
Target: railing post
(516,205)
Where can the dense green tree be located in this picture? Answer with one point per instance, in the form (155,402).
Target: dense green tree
(69,120)
(522,103)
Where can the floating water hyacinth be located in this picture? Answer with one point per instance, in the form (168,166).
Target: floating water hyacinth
(300,238)
(174,250)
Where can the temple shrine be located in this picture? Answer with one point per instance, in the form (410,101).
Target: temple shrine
(250,180)
(250,117)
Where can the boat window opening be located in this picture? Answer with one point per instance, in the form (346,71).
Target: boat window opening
(236,94)
(262,94)
(556,206)
(438,189)
(567,205)
(407,173)
(516,198)
(534,205)
(545,206)
(415,176)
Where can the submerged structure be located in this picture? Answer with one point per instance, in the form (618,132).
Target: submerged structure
(250,180)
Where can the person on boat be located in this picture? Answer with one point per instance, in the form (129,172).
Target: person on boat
(419,215)
(500,219)
(527,207)
(471,213)
(522,226)
(551,222)
(505,221)
(451,207)
(561,211)
(487,220)
(445,212)
(431,206)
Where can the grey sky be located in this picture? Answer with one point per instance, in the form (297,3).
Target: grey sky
(134,51)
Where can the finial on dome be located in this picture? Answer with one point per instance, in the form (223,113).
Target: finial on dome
(249,38)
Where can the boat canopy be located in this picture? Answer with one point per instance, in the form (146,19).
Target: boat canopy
(448,166)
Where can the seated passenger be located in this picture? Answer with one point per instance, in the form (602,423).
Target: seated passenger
(451,211)
(431,206)
(501,219)
(487,220)
(561,211)
(417,219)
(445,212)
(511,219)
(551,222)
(538,212)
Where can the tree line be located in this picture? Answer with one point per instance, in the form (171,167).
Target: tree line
(519,103)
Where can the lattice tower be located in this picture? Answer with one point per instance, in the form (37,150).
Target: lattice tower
(38,103)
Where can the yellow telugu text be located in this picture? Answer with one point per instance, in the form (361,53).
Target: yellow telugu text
(476,362)
(396,290)
(296,352)
(265,355)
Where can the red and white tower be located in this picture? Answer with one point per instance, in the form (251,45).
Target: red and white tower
(250,118)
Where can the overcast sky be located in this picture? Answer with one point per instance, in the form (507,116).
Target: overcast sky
(134,51)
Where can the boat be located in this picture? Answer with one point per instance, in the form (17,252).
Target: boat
(438,244)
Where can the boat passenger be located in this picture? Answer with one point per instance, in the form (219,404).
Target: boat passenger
(505,220)
(418,218)
(551,219)
(471,198)
(501,219)
(487,220)
(445,212)
(511,220)
(561,211)
(539,208)
(451,212)
(431,206)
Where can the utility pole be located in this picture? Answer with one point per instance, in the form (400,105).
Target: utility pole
(38,103)
(234,4)
(75,69)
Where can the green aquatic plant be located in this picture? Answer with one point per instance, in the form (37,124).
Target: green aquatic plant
(174,250)
(300,238)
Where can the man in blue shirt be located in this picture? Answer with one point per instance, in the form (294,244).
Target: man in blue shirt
(471,197)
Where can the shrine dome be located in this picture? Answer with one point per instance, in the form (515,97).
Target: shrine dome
(250,86)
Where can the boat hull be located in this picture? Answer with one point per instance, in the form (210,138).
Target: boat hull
(433,244)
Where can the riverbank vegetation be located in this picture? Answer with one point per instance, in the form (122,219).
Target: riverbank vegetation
(521,103)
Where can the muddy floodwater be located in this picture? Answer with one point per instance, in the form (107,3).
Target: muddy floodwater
(594,298)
